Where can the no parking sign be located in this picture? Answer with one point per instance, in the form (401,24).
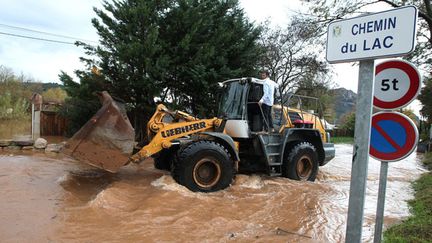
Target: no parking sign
(393,136)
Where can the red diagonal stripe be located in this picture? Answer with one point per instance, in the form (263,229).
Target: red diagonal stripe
(386,136)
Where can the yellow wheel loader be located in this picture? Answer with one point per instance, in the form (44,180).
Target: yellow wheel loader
(205,154)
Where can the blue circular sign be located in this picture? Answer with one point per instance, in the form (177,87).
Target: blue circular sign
(393,136)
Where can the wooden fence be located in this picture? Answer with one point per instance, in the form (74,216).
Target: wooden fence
(52,124)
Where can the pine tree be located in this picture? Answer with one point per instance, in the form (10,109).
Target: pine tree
(175,51)
(208,42)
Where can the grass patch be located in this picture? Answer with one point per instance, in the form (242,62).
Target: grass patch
(427,161)
(349,140)
(418,227)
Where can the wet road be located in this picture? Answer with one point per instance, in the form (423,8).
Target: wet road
(53,198)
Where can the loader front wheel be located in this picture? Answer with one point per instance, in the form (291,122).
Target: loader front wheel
(204,166)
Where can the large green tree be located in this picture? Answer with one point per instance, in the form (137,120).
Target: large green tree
(174,51)
(207,42)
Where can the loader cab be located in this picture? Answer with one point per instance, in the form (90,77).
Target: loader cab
(239,107)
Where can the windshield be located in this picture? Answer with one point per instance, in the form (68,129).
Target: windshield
(231,105)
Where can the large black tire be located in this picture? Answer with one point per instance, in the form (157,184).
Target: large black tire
(163,160)
(204,166)
(301,163)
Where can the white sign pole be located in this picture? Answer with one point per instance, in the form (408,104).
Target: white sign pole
(361,151)
(381,200)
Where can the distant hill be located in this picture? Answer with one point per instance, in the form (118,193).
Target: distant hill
(42,86)
(38,87)
(344,102)
(47,86)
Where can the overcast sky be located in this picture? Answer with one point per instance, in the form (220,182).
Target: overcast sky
(43,60)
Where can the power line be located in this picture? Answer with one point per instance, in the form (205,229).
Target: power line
(37,38)
(46,33)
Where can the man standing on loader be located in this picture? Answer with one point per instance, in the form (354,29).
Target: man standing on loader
(267,100)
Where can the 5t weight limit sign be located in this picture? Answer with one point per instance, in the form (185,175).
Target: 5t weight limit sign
(397,83)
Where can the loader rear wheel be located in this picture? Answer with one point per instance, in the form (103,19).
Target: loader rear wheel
(204,166)
(301,163)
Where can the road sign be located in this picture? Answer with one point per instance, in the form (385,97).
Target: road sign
(385,34)
(393,136)
(397,83)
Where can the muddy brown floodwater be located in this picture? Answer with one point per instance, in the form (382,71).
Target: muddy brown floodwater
(49,197)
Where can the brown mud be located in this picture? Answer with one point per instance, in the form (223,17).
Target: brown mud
(50,197)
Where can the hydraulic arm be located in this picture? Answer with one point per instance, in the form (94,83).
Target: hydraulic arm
(161,134)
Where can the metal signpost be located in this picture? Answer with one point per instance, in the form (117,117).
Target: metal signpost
(360,158)
(394,135)
(366,38)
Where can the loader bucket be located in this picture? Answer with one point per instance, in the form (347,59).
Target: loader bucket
(106,141)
